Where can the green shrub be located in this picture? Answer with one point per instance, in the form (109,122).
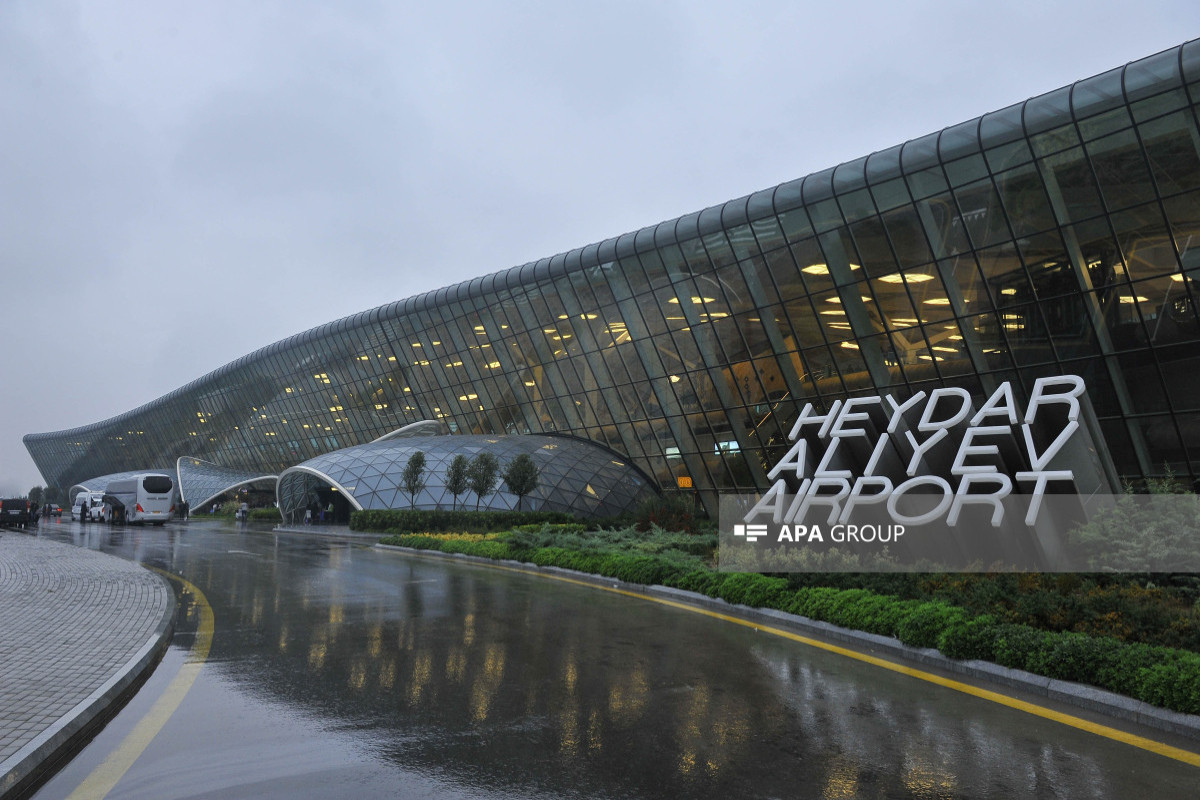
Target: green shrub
(924,623)
(645,570)
(1072,656)
(271,514)
(402,520)
(1016,644)
(873,613)
(702,581)
(669,512)
(751,589)
(1120,671)
(815,603)
(413,540)
(1174,684)
(970,638)
(552,528)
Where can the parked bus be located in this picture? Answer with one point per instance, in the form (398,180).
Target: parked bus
(140,499)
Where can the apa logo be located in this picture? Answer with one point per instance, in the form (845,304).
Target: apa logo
(752,533)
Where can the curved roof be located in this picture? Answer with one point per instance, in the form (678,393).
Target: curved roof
(574,476)
(202,481)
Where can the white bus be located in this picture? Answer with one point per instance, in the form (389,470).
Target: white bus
(140,499)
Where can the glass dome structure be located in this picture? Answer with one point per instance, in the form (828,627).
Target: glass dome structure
(574,476)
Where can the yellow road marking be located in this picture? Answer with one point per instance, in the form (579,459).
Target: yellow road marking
(104,777)
(1161,748)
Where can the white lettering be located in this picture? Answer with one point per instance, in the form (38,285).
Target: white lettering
(962,496)
(964,410)
(809,496)
(993,406)
(899,409)
(1039,489)
(1039,462)
(809,417)
(794,461)
(921,448)
(1041,397)
(928,516)
(966,448)
(839,430)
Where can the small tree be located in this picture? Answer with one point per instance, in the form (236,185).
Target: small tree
(35,496)
(521,477)
(481,475)
(413,478)
(456,477)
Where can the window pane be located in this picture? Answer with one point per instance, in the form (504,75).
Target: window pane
(1121,170)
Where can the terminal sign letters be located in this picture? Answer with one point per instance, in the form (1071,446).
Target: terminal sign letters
(874,451)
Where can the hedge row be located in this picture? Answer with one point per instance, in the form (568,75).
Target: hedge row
(271,514)
(1158,675)
(403,520)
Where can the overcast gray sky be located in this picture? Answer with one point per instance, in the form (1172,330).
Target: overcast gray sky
(183,183)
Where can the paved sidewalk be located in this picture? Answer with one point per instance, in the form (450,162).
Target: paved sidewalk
(77,629)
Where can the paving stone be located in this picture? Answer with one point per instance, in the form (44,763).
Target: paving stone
(71,621)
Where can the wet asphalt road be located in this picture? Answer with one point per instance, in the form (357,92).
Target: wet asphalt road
(340,671)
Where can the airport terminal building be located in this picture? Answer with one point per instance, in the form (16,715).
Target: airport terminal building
(1060,235)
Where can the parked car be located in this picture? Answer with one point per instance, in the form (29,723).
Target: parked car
(53,510)
(15,511)
(87,506)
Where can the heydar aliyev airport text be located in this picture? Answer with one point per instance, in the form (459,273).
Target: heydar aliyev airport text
(897,442)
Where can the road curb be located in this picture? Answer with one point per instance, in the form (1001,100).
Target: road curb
(1074,694)
(23,771)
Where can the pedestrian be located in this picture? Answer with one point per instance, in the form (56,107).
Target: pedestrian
(308,516)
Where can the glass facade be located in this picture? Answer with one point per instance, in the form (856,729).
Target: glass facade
(574,476)
(1059,235)
(201,482)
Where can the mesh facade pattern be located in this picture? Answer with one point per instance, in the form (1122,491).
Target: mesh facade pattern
(202,481)
(574,476)
(1058,235)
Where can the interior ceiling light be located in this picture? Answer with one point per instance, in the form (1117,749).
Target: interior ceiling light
(911,277)
(695,299)
(938,301)
(822,269)
(1127,299)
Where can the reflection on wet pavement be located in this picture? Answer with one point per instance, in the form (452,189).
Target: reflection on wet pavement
(425,676)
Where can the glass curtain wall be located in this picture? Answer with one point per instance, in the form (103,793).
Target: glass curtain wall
(1059,235)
